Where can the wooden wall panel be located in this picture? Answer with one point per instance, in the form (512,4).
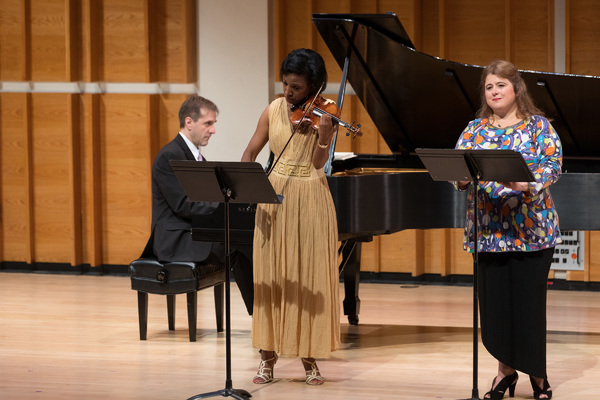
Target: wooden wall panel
(73,151)
(430,26)
(125,174)
(62,40)
(75,209)
(187,32)
(48,40)
(125,41)
(172,32)
(593,256)
(52,163)
(531,35)
(462,262)
(73,40)
(583,37)
(12,40)
(91,41)
(117,170)
(91,180)
(296,24)
(363,7)
(474,31)
(15,212)
(370,259)
(169,119)
(436,251)
(402,252)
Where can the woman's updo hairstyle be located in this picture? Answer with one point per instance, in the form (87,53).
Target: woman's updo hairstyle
(307,63)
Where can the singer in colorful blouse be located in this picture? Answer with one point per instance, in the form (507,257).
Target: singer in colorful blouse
(517,230)
(516,220)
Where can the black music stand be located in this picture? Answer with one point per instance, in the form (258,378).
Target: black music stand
(225,182)
(475,166)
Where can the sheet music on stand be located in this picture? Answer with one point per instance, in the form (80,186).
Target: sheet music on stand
(491,165)
(247,179)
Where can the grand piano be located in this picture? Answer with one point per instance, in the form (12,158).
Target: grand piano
(420,101)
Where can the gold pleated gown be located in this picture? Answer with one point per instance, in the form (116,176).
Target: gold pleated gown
(296,279)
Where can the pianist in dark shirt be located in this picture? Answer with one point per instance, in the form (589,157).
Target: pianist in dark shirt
(518,229)
(172,211)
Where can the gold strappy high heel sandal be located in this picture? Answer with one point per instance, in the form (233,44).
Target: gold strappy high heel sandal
(265,370)
(313,376)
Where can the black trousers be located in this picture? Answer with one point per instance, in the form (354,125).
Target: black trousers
(241,268)
(512,289)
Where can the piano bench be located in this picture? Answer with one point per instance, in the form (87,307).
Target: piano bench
(152,276)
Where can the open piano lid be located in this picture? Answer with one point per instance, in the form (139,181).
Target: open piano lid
(420,101)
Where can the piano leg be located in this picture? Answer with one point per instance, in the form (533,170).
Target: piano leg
(350,267)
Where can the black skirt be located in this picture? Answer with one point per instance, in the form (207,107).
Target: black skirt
(512,290)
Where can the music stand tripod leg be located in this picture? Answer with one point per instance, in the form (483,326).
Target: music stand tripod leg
(239,394)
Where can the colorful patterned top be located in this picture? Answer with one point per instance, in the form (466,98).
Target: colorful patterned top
(511,220)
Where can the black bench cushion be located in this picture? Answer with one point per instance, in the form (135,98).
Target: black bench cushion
(152,276)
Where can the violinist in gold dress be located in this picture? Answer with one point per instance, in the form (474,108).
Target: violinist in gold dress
(296,284)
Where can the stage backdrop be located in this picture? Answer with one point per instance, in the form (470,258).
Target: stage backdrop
(89,91)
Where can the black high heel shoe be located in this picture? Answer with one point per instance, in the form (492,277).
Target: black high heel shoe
(538,391)
(509,382)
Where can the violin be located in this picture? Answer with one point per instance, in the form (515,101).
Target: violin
(311,111)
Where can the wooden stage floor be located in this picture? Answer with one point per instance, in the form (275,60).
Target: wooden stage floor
(72,337)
